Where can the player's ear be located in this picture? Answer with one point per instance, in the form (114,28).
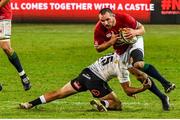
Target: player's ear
(112,14)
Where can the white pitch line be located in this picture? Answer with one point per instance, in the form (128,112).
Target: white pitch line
(85,103)
(11,104)
(14,104)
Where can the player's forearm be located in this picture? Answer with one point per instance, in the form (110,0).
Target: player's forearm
(108,44)
(140,30)
(103,46)
(131,90)
(3,2)
(139,74)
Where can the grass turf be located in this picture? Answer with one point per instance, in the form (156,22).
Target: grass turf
(53,54)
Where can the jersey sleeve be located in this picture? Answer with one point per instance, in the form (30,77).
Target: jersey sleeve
(123,76)
(99,36)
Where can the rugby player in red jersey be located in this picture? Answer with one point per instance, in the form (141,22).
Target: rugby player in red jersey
(5,44)
(106,34)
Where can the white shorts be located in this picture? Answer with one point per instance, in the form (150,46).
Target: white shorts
(125,57)
(5,30)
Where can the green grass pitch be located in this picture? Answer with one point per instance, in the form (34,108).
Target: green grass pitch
(53,54)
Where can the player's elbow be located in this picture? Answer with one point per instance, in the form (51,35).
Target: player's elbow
(128,92)
(126,88)
(141,28)
(143,31)
(98,49)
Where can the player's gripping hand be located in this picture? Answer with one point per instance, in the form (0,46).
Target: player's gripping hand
(129,33)
(147,83)
(114,38)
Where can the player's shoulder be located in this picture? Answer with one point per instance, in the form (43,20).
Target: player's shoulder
(122,15)
(126,20)
(6,7)
(99,27)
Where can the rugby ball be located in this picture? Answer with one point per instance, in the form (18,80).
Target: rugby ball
(127,41)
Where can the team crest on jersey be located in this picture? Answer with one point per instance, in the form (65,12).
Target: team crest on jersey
(108,35)
(95,92)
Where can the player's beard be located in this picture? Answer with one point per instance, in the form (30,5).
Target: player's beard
(108,26)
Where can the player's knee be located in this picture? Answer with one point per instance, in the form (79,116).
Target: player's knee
(116,105)
(8,50)
(119,105)
(128,93)
(139,64)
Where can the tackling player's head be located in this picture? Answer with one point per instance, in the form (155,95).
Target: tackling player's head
(107,18)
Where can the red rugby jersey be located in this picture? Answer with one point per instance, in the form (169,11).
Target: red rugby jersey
(102,34)
(5,11)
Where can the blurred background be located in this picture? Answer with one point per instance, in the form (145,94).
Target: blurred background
(145,11)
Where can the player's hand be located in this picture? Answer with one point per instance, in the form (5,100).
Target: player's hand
(129,33)
(133,95)
(114,38)
(147,83)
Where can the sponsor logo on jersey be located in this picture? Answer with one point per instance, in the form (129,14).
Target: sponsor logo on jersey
(108,35)
(86,76)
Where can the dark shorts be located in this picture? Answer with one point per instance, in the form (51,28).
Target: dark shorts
(137,55)
(87,80)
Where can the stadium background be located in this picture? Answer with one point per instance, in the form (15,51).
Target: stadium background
(53,54)
(145,11)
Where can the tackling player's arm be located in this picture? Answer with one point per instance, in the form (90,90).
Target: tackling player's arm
(141,76)
(130,91)
(3,2)
(140,29)
(106,45)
